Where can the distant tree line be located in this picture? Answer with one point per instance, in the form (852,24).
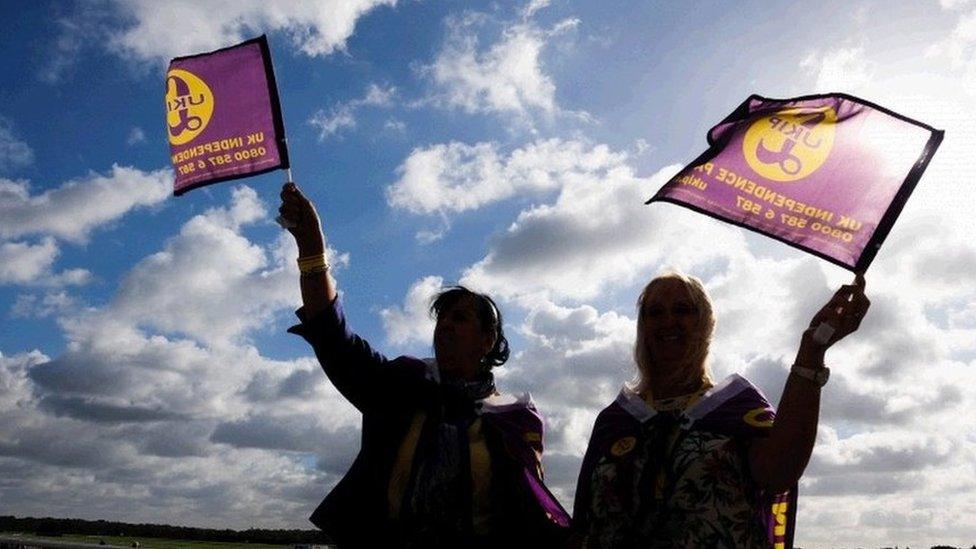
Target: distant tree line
(56,527)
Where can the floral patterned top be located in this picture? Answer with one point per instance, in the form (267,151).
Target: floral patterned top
(676,479)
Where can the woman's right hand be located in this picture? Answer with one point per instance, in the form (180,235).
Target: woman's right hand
(843,313)
(306,227)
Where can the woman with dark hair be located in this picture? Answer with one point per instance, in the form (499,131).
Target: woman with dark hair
(445,460)
(678,460)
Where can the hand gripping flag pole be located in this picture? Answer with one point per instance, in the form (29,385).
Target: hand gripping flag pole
(828,174)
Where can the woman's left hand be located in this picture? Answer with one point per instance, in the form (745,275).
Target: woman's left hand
(844,313)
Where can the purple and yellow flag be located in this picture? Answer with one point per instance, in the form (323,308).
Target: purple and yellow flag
(223,115)
(828,174)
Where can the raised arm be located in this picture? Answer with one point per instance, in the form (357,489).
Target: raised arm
(777,461)
(364,376)
(318,287)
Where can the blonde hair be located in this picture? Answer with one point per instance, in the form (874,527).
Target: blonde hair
(694,364)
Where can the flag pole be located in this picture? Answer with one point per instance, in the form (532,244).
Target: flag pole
(286,223)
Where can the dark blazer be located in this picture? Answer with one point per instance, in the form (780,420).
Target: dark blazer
(388,393)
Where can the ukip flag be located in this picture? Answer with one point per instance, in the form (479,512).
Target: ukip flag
(223,115)
(827,174)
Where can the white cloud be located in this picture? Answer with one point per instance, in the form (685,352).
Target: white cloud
(412,323)
(136,136)
(65,49)
(953,4)
(343,115)
(959,46)
(457,177)
(23,263)
(29,306)
(317,28)
(394,125)
(840,70)
(14,153)
(641,146)
(154,426)
(534,6)
(14,385)
(329,124)
(194,285)
(377,96)
(576,358)
(74,209)
(599,208)
(597,235)
(505,77)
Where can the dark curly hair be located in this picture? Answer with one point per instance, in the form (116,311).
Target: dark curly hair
(488,314)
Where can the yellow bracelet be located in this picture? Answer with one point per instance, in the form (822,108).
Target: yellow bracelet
(313,264)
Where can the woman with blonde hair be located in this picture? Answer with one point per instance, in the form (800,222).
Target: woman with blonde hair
(678,460)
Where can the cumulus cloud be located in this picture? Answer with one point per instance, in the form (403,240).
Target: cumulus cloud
(597,234)
(506,77)
(33,306)
(194,284)
(457,177)
(343,115)
(316,28)
(576,356)
(412,322)
(20,262)
(14,384)
(162,408)
(23,263)
(840,70)
(78,206)
(959,45)
(882,452)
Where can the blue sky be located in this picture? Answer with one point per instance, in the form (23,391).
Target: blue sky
(145,374)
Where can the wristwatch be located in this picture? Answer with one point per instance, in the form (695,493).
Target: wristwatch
(816,375)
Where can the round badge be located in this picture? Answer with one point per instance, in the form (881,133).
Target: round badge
(623,446)
(759,417)
(532,436)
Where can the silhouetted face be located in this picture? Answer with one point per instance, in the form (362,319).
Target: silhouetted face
(670,322)
(460,342)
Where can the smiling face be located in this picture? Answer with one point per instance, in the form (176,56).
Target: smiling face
(674,330)
(460,341)
(671,326)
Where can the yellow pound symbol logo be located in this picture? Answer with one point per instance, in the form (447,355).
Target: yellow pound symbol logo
(790,144)
(189,105)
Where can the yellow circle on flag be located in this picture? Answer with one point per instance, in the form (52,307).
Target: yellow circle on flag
(790,144)
(189,105)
